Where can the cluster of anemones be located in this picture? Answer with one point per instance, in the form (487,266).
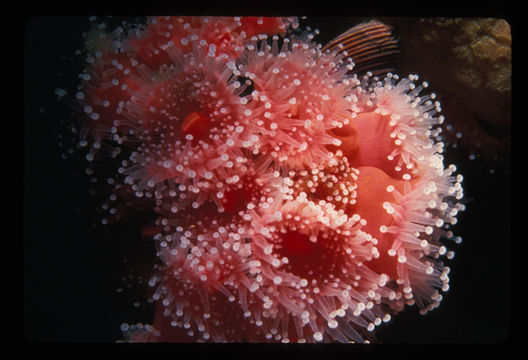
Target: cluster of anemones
(295,202)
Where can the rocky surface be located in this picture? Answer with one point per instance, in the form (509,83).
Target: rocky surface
(468,63)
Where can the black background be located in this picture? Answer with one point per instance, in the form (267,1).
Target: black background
(71,271)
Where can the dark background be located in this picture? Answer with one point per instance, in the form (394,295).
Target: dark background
(71,271)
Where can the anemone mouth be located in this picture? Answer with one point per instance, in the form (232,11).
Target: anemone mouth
(184,110)
(297,244)
(309,256)
(236,200)
(196,124)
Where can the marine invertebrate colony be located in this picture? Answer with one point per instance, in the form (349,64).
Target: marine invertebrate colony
(296,200)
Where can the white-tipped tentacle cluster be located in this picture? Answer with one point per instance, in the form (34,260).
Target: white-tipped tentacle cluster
(297,96)
(231,144)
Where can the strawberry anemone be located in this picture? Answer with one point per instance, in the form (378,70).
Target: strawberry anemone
(294,200)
